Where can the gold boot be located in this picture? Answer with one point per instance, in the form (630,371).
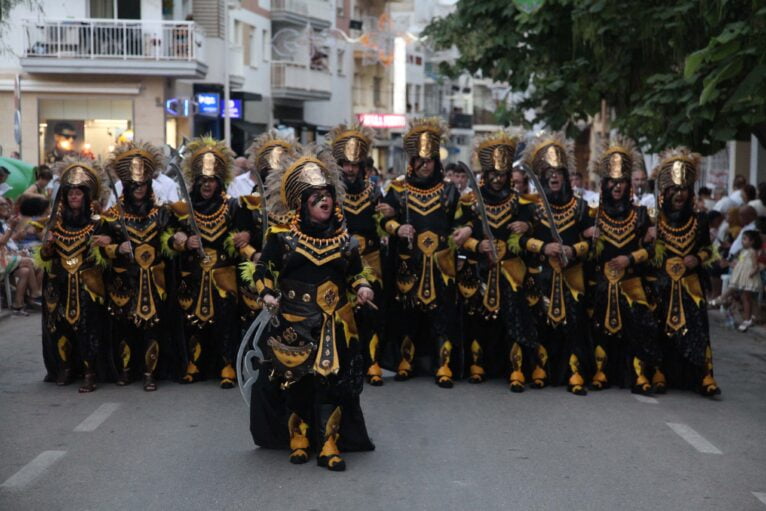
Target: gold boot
(404,371)
(477,371)
(124,377)
(539,376)
(641,385)
(444,373)
(299,440)
(150,365)
(709,386)
(374,372)
(192,371)
(228,376)
(576,383)
(329,456)
(599,381)
(659,382)
(517,374)
(64,376)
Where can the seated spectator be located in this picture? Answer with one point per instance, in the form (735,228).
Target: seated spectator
(704,195)
(759,204)
(40,186)
(20,268)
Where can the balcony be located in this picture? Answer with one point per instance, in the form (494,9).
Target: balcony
(460,121)
(299,82)
(320,13)
(114,47)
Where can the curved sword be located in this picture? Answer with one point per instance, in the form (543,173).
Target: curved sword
(250,357)
(546,208)
(264,211)
(482,211)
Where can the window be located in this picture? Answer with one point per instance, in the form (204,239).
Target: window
(377,93)
(341,57)
(340,8)
(417,98)
(120,9)
(265,45)
(251,47)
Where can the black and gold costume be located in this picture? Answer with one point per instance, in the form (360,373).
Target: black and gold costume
(208,290)
(311,396)
(499,323)
(563,353)
(623,324)
(137,288)
(680,289)
(74,318)
(350,145)
(426,310)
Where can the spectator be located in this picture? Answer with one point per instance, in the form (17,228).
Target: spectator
(165,188)
(21,269)
(734,199)
(745,281)
(460,178)
(40,186)
(244,183)
(4,187)
(575,180)
(520,181)
(759,203)
(449,171)
(747,218)
(704,195)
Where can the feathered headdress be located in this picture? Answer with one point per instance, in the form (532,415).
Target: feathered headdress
(268,148)
(496,150)
(208,157)
(549,150)
(618,158)
(350,143)
(678,167)
(299,172)
(79,172)
(135,162)
(425,137)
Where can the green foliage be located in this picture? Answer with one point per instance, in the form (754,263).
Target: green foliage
(685,72)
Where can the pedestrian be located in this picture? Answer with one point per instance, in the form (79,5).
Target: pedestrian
(556,249)
(309,272)
(681,249)
(745,283)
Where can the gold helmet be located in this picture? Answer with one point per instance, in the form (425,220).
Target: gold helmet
(678,167)
(76,173)
(424,137)
(350,143)
(134,162)
(618,159)
(299,172)
(267,150)
(549,150)
(208,157)
(496,150)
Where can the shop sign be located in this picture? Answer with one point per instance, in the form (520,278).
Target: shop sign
(209,103)
(385,121)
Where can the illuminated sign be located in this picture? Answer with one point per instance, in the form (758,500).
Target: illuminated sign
(235,109)
(209,103)
(387,121)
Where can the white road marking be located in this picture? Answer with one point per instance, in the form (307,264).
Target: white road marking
(760,496)
(695,439)
(33,469)
(95,419)
(646,399)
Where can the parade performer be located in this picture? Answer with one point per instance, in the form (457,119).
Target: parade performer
(623,325)
(307,271)
(557,250)
(350,146)
(265,155)
(502,323)
(212,246)
(425,215)
(74,318)
(681,249)
(137,282)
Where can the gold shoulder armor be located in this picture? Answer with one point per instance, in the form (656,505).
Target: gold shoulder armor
(180,208)
(528,198)
(251,202)
(468,199)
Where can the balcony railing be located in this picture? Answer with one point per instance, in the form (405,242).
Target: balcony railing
(113,39)
(290,80)
(320,12)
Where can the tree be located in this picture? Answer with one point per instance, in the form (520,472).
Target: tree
(685,72)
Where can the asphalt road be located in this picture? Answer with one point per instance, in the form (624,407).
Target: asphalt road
(472,447)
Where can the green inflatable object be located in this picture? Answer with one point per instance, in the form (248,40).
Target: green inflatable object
(22,175)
